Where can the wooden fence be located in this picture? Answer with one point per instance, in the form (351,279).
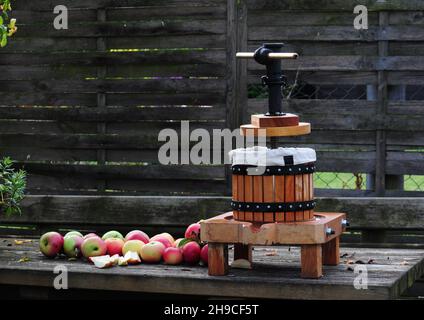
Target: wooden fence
(81,108)
(84,106)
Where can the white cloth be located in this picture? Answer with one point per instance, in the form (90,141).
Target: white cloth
(263,156)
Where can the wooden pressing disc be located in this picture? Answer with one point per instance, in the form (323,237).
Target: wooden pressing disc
(287,120)
(301,129)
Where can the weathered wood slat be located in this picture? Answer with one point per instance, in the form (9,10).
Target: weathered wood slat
(363,213)
(115,58)
(351,63)
(114,72)
(128,28)
(374,213)
(323,78)
(123,86)
(112,99)
(336,33)
(81,185)
(100,4)
(122,171)
(125,13)
(331,48)
(405,163)
(112,114)
(336,5)
(43,44)
(278,18)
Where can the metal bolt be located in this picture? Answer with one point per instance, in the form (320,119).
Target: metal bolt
(329,231)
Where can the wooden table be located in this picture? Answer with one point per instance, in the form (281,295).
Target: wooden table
(276,274)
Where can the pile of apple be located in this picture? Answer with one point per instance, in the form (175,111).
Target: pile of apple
(136,247)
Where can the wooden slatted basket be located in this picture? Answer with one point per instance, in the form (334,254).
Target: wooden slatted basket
(283,193)
(291,188)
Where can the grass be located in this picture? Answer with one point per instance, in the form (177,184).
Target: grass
(337,180)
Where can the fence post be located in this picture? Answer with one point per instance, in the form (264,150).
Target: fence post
(369,236)
(236,103)
(101,98)
(396,93)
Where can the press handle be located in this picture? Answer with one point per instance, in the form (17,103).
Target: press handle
(271,55)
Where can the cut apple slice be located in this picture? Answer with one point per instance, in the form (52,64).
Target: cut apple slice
(114,259)
(102,261)
(241,264)
(132,257)
(122,262)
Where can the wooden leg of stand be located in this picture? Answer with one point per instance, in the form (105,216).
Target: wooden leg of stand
(311,260)
(242,251)
(331,252)
(217,259)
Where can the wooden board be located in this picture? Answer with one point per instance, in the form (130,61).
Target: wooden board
(287,120)
(301,129)
(273,276)
(224,229)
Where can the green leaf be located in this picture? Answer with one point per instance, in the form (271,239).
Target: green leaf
(3,41)
(183,242)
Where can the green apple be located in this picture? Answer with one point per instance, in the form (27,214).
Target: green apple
(132,245)
(73,232)
(93,247)
(72,246)
(113,234)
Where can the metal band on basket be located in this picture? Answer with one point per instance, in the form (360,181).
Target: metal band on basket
(245,170)
(273,206)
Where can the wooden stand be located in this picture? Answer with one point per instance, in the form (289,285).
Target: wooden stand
(318,245)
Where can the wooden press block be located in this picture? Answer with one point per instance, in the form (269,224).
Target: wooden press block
(287,120)
(331,252)
(251,130)
(224,229)
(311,261)
(217,259)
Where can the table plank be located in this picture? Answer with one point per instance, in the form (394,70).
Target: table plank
(276,274)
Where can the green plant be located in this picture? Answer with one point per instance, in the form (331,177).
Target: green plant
(7,25)
(12,187)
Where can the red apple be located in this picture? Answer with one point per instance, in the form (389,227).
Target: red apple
(72,245)
(90,235)
(114,246)
(51,244)
(193,232)
(168,236)
(93,247)
(172,256)
(137,235)
(204,255)
(163,239)
(152,251)
(191,252)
